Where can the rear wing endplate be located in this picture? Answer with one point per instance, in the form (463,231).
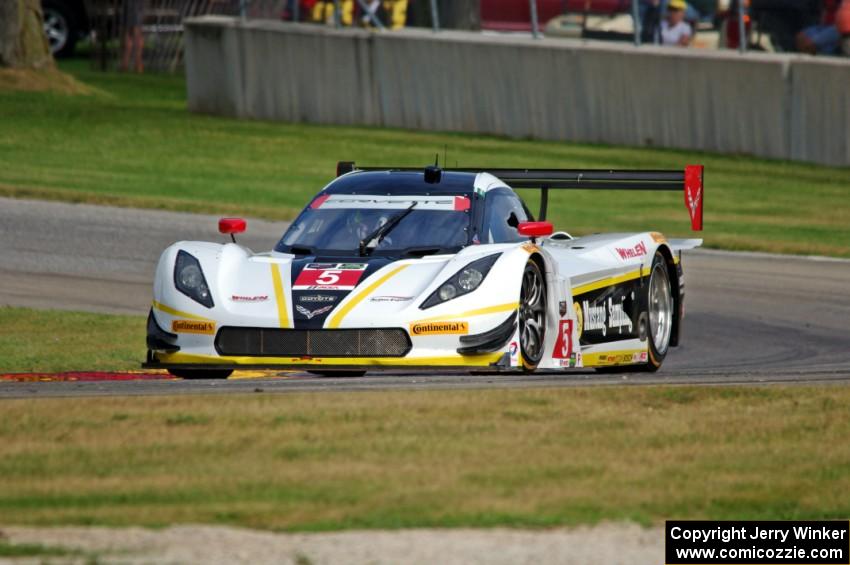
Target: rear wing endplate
(689,181)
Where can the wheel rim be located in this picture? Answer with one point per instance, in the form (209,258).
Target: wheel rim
(56,30)
(532,315)
(660,308)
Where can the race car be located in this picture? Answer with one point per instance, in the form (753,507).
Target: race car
(427,268)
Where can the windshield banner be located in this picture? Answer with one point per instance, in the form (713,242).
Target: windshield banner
(381,202)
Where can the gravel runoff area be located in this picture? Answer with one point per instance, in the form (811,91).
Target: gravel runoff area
(610,543)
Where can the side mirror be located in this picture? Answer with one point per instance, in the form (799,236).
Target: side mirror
(232,226)
(535,229)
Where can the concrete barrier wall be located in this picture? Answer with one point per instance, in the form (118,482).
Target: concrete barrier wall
(785,107)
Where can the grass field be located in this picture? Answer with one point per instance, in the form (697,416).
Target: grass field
(133,143)
(48,340)
(535,458)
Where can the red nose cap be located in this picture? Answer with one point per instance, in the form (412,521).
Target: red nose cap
(232,225)
(535,229)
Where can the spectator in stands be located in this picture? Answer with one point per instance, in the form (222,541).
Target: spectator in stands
(823,38)
(391,13)
(674,29)
(132,17)
(653,12)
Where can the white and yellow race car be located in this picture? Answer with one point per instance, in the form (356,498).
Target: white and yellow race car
(430,269)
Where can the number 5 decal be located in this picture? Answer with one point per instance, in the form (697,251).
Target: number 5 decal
(328,277)
(564,345)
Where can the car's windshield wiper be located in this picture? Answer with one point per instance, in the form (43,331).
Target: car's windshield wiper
(301,250)
(382,231)
(422,251)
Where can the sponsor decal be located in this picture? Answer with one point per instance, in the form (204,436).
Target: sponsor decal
(391,299)
(514,351)
(256,298)
(609,315)
(693,195)
(329,276)
(562,307)
(658,237)
(564,343)
(639,250)
(461,203)
(310,314)
(579,319)
(573,361)
(639,357)
(192,327)
(433,328)
(317,298)
(530,247)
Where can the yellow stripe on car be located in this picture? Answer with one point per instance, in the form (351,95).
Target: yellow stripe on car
(610,358)
(469,313)
(179,313)
(483,360)
(610,281)
(337,318)
(279,296)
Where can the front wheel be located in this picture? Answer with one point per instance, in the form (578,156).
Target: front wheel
(532,316)
(193,374)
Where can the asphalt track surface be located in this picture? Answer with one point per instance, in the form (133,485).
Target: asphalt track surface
(751,318)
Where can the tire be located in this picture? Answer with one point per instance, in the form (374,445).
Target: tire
(338,374)
(192,374)
(661,311)
(532,316)
(61,28)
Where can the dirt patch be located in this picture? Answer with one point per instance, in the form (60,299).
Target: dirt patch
(42,80)
(624,544)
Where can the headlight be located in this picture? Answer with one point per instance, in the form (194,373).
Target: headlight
(463,282)
(189,279)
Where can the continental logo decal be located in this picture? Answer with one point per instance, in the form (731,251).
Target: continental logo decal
(192,327)
(433,328)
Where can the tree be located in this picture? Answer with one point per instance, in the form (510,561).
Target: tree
(22,40)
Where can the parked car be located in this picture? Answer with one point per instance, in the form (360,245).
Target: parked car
(515,15)
(65,22)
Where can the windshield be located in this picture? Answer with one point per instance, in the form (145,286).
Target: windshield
(337,224)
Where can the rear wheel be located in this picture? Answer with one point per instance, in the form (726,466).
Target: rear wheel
(338,374)
(660,306)
(532,316)
(192,374)
(658,321)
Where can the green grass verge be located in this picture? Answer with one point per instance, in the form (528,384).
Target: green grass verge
(47,340)
(35,550)
(523,458)
(132,143)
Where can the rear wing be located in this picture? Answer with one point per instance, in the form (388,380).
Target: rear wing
(689,181)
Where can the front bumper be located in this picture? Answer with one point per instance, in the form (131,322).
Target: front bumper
(348,348)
